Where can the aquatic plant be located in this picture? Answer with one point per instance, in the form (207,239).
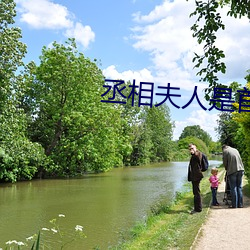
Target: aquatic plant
(48,237)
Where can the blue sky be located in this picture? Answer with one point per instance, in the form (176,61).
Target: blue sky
(146,40)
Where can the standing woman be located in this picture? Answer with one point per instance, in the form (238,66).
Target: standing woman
(195,175)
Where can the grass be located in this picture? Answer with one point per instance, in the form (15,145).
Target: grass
(246,188)
(170,226)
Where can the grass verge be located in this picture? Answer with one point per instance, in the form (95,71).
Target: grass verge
(170,226)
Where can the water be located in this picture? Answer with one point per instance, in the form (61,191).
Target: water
(104,204)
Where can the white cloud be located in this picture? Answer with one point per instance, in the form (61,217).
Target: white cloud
(165,33)
(143,75)
(205,119)
(44,14)
(159,12)
(83,34)
(234,41)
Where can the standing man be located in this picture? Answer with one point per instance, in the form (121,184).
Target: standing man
(195,175)
(235,170)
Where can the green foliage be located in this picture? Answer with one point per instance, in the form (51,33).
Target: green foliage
(141,145)
(20,158)
(227,129)
(196,131)
(52,120)
(237,8)
(170,226)
(36,243)
(12,50)
(242,135)
(201,146)
(161,130)
(180,155)
(152,136)
(205,28)
(78,131)
(215,147)
(210,20)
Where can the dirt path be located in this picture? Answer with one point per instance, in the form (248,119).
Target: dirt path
(225,228)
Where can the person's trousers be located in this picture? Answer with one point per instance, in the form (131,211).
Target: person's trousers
(214,196)
(197,196)
(235,182)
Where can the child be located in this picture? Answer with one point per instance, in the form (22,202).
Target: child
(214,185)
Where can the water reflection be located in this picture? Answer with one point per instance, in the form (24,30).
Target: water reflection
(105,204)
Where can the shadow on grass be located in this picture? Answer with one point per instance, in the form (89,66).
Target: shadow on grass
(224,198)
(246,190)
(183,204)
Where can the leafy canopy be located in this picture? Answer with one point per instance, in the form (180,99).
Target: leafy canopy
(196,131)
(205,28)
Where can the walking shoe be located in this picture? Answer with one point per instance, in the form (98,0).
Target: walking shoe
(217,204)
(194,212)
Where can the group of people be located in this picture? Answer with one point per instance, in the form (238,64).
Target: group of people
(234,167)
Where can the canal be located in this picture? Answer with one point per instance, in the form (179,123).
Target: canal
(105,204)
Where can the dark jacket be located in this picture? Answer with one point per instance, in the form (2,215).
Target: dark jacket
(194,168)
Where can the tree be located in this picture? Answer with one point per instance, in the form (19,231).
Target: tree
(131,128)
(160,127)
(12,50)
(19,157)
(243,133)
(196,131)
(227,129)
(208,23)
(183,144)
(152,136)
(78,131)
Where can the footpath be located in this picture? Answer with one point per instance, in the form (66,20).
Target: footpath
(225,228)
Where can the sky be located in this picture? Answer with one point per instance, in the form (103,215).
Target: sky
(145,40)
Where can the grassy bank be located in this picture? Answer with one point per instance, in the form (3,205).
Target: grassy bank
(170,227)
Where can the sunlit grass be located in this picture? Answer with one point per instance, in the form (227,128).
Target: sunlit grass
(170,226)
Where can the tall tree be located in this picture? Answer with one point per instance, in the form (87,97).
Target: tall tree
(227,129)
(184,142)
(12,51)
(243,133)
(207,24)
(160,127)
(19,157)
(77,130)
(196,131)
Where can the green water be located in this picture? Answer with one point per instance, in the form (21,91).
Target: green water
(104,204)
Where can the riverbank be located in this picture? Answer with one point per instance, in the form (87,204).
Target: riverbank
(172,227)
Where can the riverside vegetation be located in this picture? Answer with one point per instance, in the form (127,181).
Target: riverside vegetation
(171,226)
(52,237)
(53,123)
